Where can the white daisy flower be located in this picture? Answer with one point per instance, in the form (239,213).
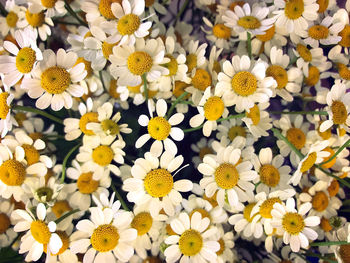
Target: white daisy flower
(97,10)
(6,119)
(226,253)
(130,63)
(201,148)
(50,7)
(258,120)
(159,129)
(152,182)
(293,224)
(104,238)
(12,20)
(103,202)
(196,55)
(192,241)
(219,34)
(40,234)
(7,234)
(55,80)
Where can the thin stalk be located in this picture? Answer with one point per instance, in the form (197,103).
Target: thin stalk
(144,78)
(249,44)
(103,83)
(65,160)
(330,243)
(57,221)
(183,7)
(37,111)
(175,103)
(122,202)
(337,152)
(300,112)
(279,135)
(74,14)
(344,182)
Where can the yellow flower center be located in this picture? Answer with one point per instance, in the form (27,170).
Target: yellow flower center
(325,225)
(345,34)
(214,108)
(85,183)
(4,223)
(44,193)
(87,64)
(236,3)
(294,9)
(331,153)
(102,155)
(221,31)
(247,212)
(35,135)
(40,232)
(211,200)
(333,188)
(128,24)
(48,3)
(222,247)
(279,74)
(110,127)
(308,162)
(159,128)
(235,131)
(12,173)
(191,62)
(142,222)
(296,137)
(344,252)
(320,201)
(25,60)
(4,107)
(269,175)
(139,63)
(318,32)
(344,72)
(149,3)
(179,89)
(107,49)
(172,65)
(254,114)
(244,83)
(204,151)
(201,79)
(113,89)
(158,183)
(269,33)
(55,80)
(314,76)
(31,154)
(202,211)
(60,207)
(190,242)
(267,206)
(19,117)
(326,134)
(226,176)
(105,238)
(304,52)
(85,119)
(35,20)
(169,230)
(322,5)
(216,67)
(339,111)
(65,243)
(105,8)
(249,22)
(11,19)
(293,223)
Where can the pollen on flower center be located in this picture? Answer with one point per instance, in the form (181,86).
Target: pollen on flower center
(35,20)
(249,22)
(221,31)
(61,207)
(105,8)
(158,128)
(139,63)
(172,65)
(191,62)
(344,72)
(45,193)
(11,19)
(345,34)
(48,3)
(320,201)
(304,52)
(4,223)
(85,119)
(226,176)
(314,76)
(128,24)
(25,60)
(158,182)
(31,154)
(4,107)
(267,206)
(40,232)
(201,79)
(254,114)
(12,173)
(269,175)
(142,222)
(318,32)
(214,108)
(247,212)
(308,162)
(339,111)
(55,80)
(269,33)
(235,131)
(105,238)
(293,223)
(279,74)
(190,242)
(296,137)
(107,49)
(244,83)
(110,127)
(102,155)
(325,225)
(294,9)
(85,183)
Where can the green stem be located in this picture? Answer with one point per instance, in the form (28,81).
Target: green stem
(144,78)
(300,112)
(183,7)
(37,111)
(122,202)
(330,243)
(103,83)
(65,160)
(175,103)
(57,221)
(279,135)
(337,152)
(249,44)
(344,182)
(293,61)
(74,14)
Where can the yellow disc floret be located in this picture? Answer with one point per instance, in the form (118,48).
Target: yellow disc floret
(333,188)
(318,32)
(322,5)
(25,60)
(345,34)
(11,19)
(31,154)
(35,20)
(214,108)
(61,207)
(4,107)
(293,223)
(87,64)
(139,63)
(267,206)
(308,162)
(269,175)
(65,243)
(222,247)
(201,79)
(235,131)
(221,31)
(304,52)
(249,22)
(247,212)
(172,65)
(320,201)
(226,176)
(294,9)
(12,173)
(5,223)
(85,183)
(158,182)
(191,62)
(48,3)
(202,211)
(142,222)
(128,24)
(102,155)
(179,89)
(40,232)
(269,33)
(325,225)
(279,74)
(254,114)
(343,70)
(325,159)
(107,49)
(105,238)
(113,89)
(85,119)
(314,76)
(55,80)
(105,8)
(190,242)
(44,193)
(159,128)
(110,127)
(296,137)
(244,83)
(339,111)
(204,151)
